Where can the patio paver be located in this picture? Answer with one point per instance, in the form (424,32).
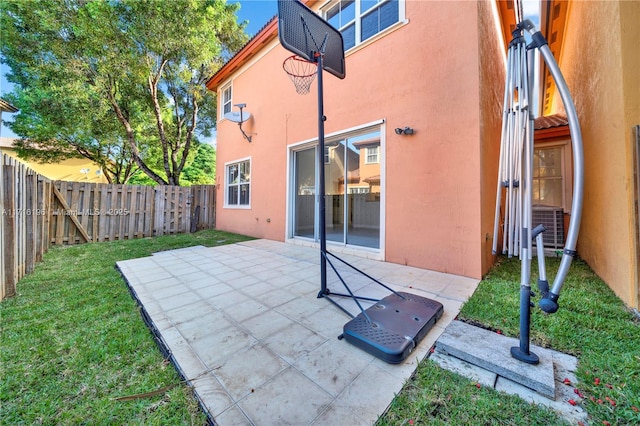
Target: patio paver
(242,322)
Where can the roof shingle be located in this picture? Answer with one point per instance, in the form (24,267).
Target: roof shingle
(549,121)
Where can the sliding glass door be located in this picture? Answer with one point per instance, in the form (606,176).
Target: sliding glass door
(352,190)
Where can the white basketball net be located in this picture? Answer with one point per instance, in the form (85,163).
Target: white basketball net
(301,72)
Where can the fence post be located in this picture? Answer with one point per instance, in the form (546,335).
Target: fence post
(9,234)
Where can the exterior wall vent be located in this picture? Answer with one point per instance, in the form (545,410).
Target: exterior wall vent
(553,219)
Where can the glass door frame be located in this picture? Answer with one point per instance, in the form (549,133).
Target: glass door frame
(379,126)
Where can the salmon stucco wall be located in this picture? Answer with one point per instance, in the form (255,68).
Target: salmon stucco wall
(492,66)
(424,73)
(432,177)
(600,63)
(265,89)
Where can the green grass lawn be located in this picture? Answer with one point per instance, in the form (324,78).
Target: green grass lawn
(591,324)
(72,341)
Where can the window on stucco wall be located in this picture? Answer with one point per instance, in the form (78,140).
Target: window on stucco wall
(359,20)
(227,92)
(238,184)
(551,176)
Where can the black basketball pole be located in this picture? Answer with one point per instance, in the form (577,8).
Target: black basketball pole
(321,186)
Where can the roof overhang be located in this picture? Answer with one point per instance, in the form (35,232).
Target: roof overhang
(248,51)
(553,20)
(507,11)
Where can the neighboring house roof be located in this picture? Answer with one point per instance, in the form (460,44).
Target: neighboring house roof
(365,142)
(7,107)
(373,179)
(550,121)
(7,142)
(551,126)
(71,169)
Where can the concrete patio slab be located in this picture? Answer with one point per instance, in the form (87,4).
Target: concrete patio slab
(243,324)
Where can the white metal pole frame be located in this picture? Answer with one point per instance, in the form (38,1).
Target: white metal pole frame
(523,158)
(522,352)
(515,175)
(515,129)
(516,155)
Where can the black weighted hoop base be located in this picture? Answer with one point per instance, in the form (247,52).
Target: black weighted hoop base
(398,323)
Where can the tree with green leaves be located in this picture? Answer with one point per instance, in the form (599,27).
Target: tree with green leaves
(117,81)
(51,136)
(199,171)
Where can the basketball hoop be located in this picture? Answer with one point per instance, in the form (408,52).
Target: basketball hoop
(301,72)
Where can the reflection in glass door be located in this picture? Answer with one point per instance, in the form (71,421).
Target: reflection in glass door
(305,192)
(352,190)
(334,168)
(362,190)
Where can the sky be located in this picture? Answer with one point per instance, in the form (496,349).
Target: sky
(257,13)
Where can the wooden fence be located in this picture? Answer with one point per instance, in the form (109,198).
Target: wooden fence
(24,228)
(38,212)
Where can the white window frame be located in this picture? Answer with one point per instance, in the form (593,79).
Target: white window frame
(227,184)
(224,103)
(359,15)
(369,151)
(567,169)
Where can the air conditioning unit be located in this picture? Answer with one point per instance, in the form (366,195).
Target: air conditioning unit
(553,219)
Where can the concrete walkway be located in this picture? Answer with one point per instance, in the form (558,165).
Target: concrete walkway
(243,323)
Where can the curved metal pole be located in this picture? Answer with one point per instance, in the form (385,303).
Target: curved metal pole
(549,303)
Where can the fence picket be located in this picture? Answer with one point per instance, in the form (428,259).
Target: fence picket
(41,215)
(30,226)
(9,277)
(2,224)
(20,224)
(85,209)
(158,222)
